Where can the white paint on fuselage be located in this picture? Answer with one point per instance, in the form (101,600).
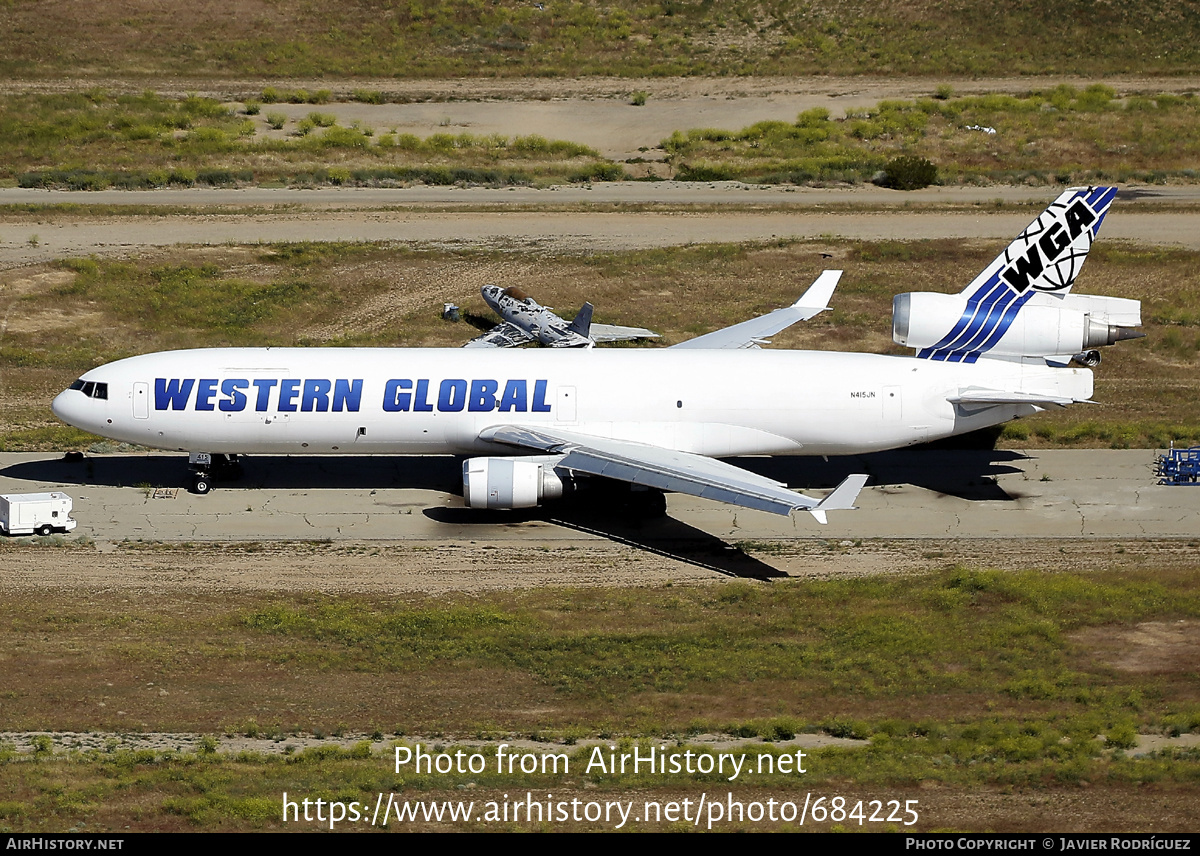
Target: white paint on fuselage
(715,403)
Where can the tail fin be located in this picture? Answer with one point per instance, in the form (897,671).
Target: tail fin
(583,321)
(1045,258)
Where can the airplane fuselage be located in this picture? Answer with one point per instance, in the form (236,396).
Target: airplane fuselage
(438,401)
(535,319)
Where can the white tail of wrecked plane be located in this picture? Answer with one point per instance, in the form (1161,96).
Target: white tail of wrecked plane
(1020,306)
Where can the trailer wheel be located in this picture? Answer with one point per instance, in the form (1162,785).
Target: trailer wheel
(45,529)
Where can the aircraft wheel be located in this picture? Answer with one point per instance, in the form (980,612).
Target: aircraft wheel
(45,529)
(201,485)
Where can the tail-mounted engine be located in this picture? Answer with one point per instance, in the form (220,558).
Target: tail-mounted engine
(1056,327)
(503,483)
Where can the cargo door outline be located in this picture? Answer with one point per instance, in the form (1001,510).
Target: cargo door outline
(141,400)
(893,404)
(566,409)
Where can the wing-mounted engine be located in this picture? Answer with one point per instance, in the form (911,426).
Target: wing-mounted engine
(1020,306)
(505,483)
(1051,326)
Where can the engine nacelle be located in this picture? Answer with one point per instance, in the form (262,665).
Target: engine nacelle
(503,483)
(1045,326)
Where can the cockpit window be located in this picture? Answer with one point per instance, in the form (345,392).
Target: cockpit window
(91,388)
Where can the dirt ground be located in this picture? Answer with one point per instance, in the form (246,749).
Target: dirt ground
(26,240)
(479,566)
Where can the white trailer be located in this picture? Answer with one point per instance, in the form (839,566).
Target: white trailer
(43,513)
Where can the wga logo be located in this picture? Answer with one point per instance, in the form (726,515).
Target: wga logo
(1052,259)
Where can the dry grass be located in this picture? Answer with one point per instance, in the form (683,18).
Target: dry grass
(95,139)
(360,39)
(966,682)
(640,661)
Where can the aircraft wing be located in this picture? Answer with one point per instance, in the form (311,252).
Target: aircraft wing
(680,472)
(752,333)
(614,333)
(506,335)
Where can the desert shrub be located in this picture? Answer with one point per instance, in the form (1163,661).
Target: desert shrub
(907,173)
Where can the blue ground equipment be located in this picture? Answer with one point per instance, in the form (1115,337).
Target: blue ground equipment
(1178,466)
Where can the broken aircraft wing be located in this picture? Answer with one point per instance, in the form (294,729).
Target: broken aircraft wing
(506,335)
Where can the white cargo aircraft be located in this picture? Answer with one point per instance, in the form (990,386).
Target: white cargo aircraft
(537,425)
(526,320)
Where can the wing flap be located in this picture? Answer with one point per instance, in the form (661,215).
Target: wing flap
(680,474)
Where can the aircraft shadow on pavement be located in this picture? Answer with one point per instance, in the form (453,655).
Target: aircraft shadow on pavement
(965,473)
(317,472)
(661,535)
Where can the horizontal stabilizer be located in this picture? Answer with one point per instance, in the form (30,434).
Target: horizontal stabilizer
(977,395)
(615,333)
(752,333)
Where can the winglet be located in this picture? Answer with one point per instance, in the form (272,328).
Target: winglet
(841,499)
(818,294)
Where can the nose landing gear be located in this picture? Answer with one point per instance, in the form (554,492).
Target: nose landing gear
(205,466)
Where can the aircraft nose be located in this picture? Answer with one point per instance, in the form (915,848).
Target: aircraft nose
(69,407)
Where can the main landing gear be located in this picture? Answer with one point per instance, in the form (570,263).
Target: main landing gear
(205,466)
